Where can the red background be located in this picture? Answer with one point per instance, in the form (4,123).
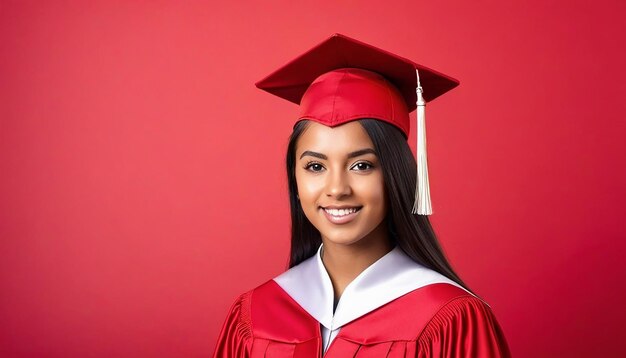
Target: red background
(142,175)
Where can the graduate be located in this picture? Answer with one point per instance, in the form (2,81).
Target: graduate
(367,276)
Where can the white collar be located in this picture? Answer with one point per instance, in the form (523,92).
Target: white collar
(390,277)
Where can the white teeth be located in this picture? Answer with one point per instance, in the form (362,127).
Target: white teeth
(341,212)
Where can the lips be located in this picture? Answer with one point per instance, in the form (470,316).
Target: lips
(341,215)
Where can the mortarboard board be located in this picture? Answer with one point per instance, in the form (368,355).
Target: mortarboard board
(343,79)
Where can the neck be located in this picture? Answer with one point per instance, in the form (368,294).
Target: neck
(345,262)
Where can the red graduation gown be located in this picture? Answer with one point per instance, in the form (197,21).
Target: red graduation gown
(437,320)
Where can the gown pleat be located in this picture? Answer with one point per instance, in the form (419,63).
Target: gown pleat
(307,349)
(375,350)
(397,350)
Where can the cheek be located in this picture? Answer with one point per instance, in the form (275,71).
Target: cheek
(372,193)
(309,187)
(371,190)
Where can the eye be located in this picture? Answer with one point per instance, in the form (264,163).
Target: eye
(361,166)
(313,167)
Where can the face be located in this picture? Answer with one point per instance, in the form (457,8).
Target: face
(340,183)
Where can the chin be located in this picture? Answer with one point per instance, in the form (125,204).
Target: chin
(341,240)
(341,236)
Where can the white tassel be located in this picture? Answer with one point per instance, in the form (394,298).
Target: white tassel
(421,204)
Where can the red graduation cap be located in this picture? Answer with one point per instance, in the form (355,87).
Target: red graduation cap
(343,79)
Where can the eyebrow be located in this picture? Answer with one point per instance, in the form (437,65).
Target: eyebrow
(354,154)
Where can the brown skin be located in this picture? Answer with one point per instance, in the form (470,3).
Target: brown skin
(340,180)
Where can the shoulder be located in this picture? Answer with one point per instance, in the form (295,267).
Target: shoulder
(236,334)
(463,325)
(463,308)
(243,302)
(239,315)
(237,331)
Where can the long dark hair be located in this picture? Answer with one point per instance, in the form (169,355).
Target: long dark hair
(413,233)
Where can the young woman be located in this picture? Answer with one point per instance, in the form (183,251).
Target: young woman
(367,276)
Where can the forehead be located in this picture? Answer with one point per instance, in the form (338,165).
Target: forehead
(343,138)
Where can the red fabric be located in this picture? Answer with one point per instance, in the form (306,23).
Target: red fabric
(438,320)
(347,94)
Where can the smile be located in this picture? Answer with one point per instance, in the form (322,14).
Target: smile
(341,212)
(341,216)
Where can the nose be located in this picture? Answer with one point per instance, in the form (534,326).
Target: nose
(338,184)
